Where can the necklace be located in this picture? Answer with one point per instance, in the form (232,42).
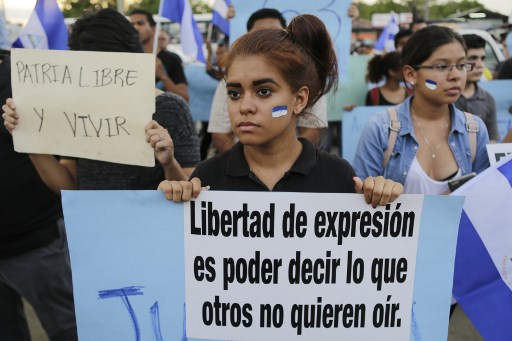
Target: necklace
(433,151)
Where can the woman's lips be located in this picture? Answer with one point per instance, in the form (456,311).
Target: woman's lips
(454,90)
(247,126)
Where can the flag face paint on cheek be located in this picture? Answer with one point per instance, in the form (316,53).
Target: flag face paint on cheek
(431,84)
(279,111)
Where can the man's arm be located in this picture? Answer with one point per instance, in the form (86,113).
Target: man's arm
(219,124)
(223,141)
(180,89)
(312,134)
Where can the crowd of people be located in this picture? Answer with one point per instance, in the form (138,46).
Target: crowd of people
(267,120)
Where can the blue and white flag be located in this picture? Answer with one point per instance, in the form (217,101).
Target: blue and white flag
(45,28)
(191,38)
(386,39)
(4,38)
(220,15)
(483,264)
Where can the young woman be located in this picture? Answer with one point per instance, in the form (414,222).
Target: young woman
(388,67)
(430,141)
(107,30)
(273,77)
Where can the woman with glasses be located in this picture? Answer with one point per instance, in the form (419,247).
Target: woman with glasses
(425,141)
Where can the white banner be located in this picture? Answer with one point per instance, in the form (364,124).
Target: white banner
(321,266)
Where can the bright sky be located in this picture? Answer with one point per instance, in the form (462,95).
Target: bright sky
(19,10)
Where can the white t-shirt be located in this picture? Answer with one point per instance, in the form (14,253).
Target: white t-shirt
(418,182)
(219,117)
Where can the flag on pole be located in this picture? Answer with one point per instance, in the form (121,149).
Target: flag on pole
(220,15)
(191,38)
(386,39)
(45,28)
(483,264)
(4,37)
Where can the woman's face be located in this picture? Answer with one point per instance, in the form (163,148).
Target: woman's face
(440,84)
(261,105)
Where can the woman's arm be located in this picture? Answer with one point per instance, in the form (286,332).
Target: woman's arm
(160,140)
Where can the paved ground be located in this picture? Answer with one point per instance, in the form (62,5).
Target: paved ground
(460,329)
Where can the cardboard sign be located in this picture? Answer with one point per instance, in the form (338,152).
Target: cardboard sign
(84,104)
(500,90)
(498,151)
(254,265)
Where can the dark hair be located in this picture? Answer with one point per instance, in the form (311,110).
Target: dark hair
(149,16)
(106,30)
(474,41)
(402,33)
(265,13)
(424,42)
(380,65)
(303,53)
(417,21)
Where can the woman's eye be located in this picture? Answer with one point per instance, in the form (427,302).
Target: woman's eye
(233,94)
(264,92)
(442,67)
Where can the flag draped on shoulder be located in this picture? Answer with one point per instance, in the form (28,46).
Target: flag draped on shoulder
(191,39)
(483,263)
(45,28)
(220,12)
(386,39)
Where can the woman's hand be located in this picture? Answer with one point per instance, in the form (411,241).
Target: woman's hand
(377,190)
(10,116)
(179,191)
(160,140)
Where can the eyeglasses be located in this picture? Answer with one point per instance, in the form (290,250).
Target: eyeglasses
(446,68)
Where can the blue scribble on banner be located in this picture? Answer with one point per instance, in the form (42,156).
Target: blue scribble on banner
(155,321)
(123,293)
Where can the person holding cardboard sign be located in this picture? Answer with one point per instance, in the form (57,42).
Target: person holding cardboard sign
(264,103)
(109,31)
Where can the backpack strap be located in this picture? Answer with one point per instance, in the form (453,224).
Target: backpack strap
(472,128)
(394,128)
(374,96)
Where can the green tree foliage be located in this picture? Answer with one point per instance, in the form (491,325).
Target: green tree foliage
(381,6)
(75,8)
(439,11)
(198,6)
(417,7)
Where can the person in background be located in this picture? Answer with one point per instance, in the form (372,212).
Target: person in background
(474,99)
(273,76)
(418,24)
(426,141)
(386,67)
(401,38)
(34,258)
(169,72)
(508,137)
(212,61)
(505,70)
(223,139)
(163,40)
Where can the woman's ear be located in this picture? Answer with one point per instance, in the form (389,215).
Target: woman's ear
(409,74)
(301,100)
